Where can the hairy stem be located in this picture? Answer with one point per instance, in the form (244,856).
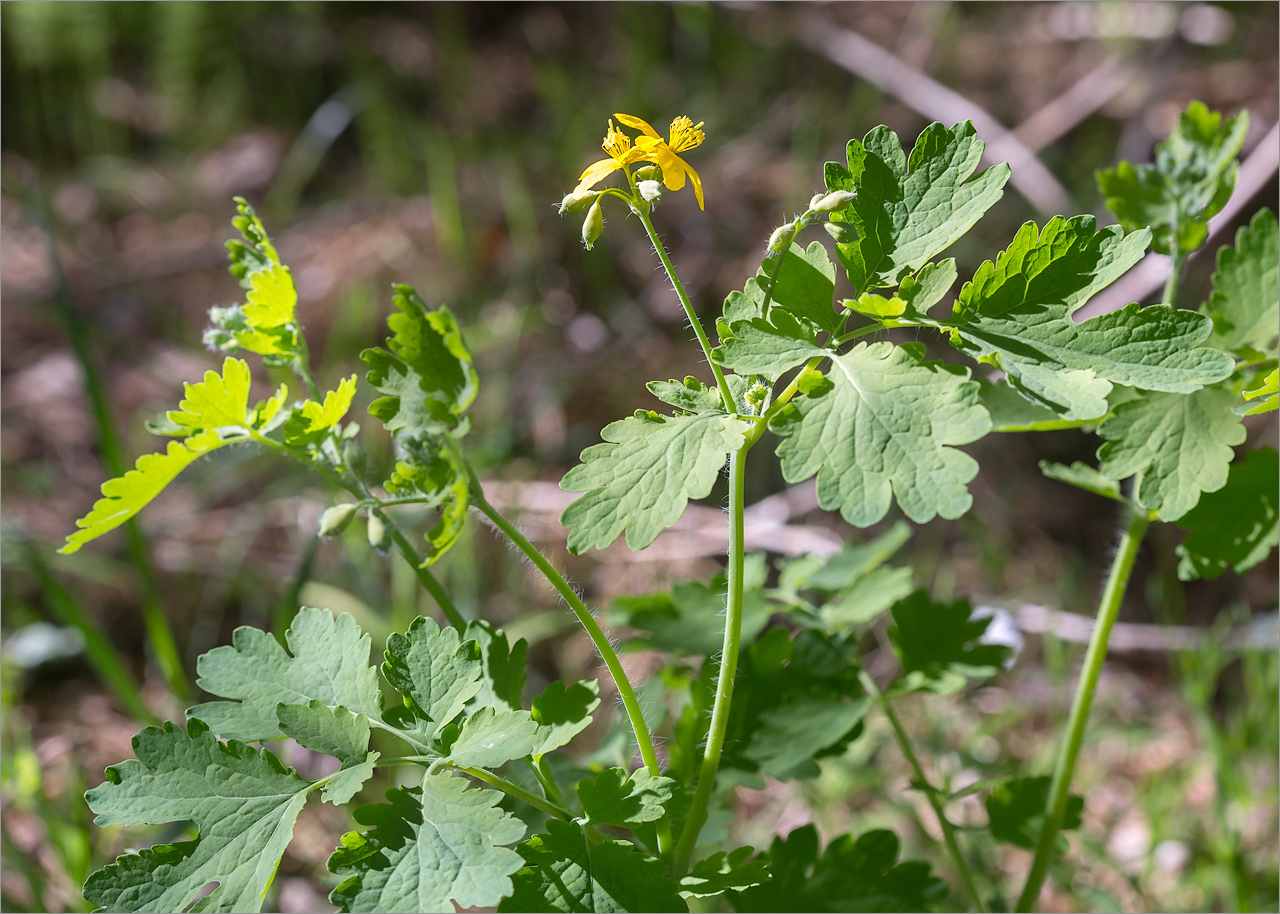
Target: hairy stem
(948,830)
(728,670)
(643,212)
(594,632)
(1064,768)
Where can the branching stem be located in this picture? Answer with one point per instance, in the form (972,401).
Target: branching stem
(1064,768)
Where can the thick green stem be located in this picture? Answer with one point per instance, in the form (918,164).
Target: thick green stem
(948,830)
(1064,768)
(594,632)
(642,211)
(1171,284)
(728,670)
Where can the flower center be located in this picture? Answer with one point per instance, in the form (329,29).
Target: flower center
(685,134)
(616,143)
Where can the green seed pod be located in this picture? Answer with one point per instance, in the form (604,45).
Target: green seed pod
(334,520)
(593,226)
(377,531)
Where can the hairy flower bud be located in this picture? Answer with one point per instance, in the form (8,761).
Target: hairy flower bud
(334,520)
(837,199)
(842,232)
(593,226)
(649,173)
(577,201)
(781,236)
(650,190)
(377,531)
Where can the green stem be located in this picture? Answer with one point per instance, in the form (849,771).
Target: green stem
(493,780)
(948,830)
(640,209)
(594,632)
(728,670)
(1171,284)
(542,771)
(1064,768)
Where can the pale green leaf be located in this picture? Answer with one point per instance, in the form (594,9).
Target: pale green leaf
(321,728)
(913,298)
(1012,412)
(425,373)
(868,596)
(1178,446)
(491,738)
(644,474)
(429,849)
(562,712)
(614,798)
(243,804)
(883,426)
(434,669)
(311,420)
(856,559)
(908,210)
(1236,526)
(768,346)
(1245,304)
(1083,476)
(329,664)
(346,782)
(565,871)
(1191,180)
(723,872)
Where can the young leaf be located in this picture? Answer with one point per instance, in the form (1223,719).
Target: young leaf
(562,712)
(1192,178)
(1179,446)
(491,738)
(689,618)
(1267,393)
(849,875)
(1236,526)
(1015,810)
(882,426)
(644,474)
(215,412)
(243,803)
(503,665)
(805,286)
(938,644)
(1245,304)
(768,346)
(613,798)
(908,210)
(425,374)
(271,299)
(567,872)
(429,849)
(330,664)
(310,420)
(723,872)
(434,669)
(1083,476)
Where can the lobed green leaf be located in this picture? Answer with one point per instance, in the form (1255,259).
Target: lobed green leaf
(1236,526)
(940,645)
(1245,303)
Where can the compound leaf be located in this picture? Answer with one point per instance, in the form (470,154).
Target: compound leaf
(429,848)
(434,669)
(434,466)
(1179,446)
(1015,811)
(1236,526)
(243,803)
(492,738)
(562,712)
(882,425)
(908,210)
(849,875)
(425,374)
(329,664)
(726,871)
(1191,179)
(613,798)
(566,872)
(644,474)
(939,645)
(1245,304)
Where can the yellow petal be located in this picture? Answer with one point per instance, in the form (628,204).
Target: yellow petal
(697,185)
(636,124)
(595,173)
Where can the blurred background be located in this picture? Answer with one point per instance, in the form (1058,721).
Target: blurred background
(430,144)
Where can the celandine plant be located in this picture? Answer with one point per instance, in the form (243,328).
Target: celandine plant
(782,684)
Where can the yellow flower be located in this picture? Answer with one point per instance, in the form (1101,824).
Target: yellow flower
(649,147)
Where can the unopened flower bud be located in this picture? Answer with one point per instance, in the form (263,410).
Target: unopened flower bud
(837,199)
(576,201)
(813,201)
(650,190)
(649,173)
(781,236)
(377,531)
(593,226)
(334,520)
(842,232)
